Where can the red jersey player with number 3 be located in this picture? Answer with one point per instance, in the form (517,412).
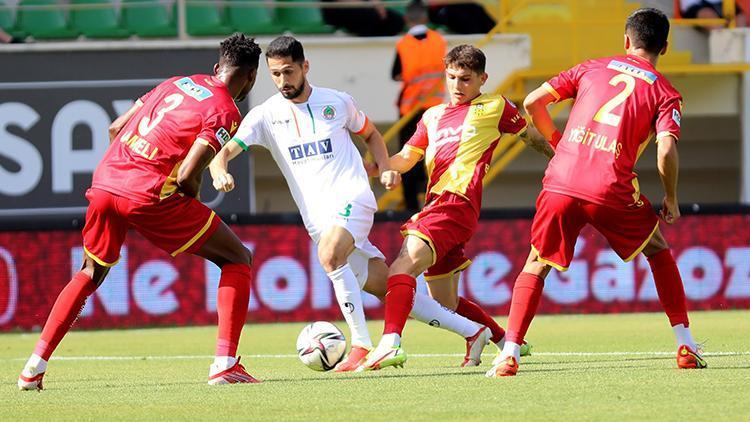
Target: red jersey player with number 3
(621,104)
(148,180)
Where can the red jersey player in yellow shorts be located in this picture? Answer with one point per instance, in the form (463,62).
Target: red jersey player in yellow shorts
(621,104)
(456,140)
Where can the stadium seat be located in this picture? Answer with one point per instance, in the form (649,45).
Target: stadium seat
(98,22)
(45,23)
(253,19)
(303,20)
(205,19)
(396,5)
(149,18)
(7,21)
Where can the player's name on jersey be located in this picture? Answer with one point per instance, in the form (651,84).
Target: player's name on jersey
(139,145)
(587,137)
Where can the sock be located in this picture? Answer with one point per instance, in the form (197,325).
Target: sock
(231,304)
(511,349)
(431,312)
(222,363)
(37,362)
(390,340)
(684,336)
(64,312)
(526,295)
(669,287)
(349,297)
(475,313)
(399,299)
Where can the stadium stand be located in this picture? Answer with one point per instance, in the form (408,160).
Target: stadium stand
(246,16)
(100,21)
(150,18)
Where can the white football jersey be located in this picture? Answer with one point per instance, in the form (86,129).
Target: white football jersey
(312,146)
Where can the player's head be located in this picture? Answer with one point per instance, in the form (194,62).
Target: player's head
(464,73)
(288,66)
(238,64)
(647,29)
(416,13)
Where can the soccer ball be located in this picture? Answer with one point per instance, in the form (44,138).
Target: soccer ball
(321,345)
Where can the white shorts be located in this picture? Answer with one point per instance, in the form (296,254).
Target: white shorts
(356,217)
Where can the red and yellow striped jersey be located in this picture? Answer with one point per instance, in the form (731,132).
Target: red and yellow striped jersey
(457,143)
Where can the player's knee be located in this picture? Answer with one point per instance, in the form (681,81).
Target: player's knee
(330,259)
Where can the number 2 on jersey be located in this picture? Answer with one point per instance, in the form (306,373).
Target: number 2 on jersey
(605,115)
(146,124)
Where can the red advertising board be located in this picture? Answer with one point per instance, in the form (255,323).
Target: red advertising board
(149,288)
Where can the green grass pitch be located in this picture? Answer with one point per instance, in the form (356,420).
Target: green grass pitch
(593,367)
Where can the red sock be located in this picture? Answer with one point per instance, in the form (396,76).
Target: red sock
(475,313)
(64,312)
(399,299)
(669,286)
(231,303)
(526,294)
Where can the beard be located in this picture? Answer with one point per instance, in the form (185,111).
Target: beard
(295,92)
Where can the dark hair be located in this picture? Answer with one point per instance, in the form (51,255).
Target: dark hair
(286,46)
(648,28)
(416,12)
(466,57)
(239,50)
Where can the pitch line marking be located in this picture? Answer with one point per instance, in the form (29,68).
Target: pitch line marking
(416,355)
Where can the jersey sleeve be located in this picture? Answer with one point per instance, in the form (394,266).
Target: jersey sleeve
(418,141)
(252,130)
(565,84)
(511,120)
(668,118)
(219,127)
(356,120)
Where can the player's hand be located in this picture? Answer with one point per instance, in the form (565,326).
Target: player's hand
(390,179)
(224,182)
(371,169)
(670,210)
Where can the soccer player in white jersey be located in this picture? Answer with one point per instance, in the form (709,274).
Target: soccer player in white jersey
(307,130)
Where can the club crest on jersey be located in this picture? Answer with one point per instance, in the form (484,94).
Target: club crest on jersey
(222,136)
(192,89)
(329,112)
(479,109)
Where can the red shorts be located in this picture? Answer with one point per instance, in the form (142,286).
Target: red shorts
(446,224)
(177,224)
(559,219)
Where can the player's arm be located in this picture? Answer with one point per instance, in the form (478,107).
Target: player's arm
(535,105)
(668,163)
(219,167)
(531,137)
(375,144)
(190,173)
(122,120)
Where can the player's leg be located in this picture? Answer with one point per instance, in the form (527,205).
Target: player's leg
(415,257)
(334,248)
(671,294)
(425,309)
(103,235)
(225,249)
(557,223)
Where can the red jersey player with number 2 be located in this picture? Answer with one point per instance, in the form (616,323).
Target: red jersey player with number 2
(621,103)
(148,180)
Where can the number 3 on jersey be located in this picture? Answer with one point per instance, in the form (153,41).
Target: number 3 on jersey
(146,124)
(605,115)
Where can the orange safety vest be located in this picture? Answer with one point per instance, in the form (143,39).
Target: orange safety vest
(422,69)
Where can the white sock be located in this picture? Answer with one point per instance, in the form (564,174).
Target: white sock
(349,297)
(390,340)
(37,362)
(431,312)
(500,344)
(222,363)
(511,349)
(684,336)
